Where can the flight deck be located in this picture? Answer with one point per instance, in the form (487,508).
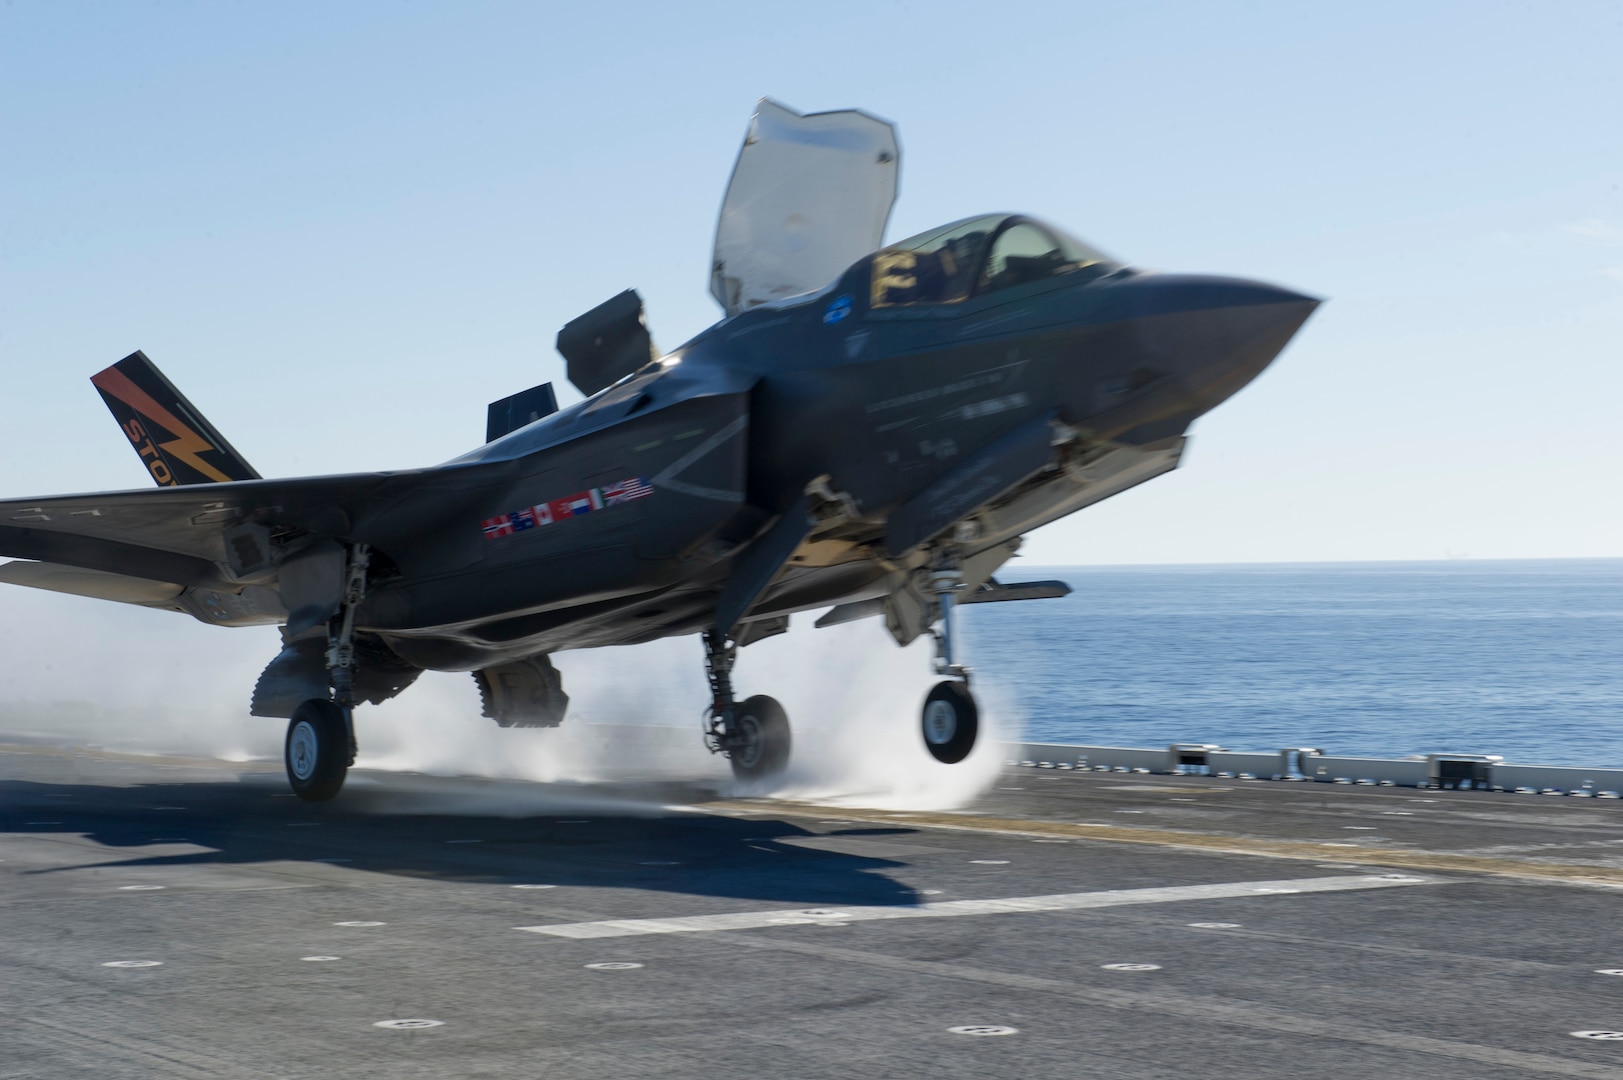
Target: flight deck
(190,918)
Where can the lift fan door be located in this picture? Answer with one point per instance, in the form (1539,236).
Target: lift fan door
(809,196)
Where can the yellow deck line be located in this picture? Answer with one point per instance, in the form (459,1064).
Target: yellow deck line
(1566,873)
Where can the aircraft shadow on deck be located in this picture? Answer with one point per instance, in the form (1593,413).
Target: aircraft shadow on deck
(593,838)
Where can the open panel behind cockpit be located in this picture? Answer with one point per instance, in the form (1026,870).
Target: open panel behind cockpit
(809,196)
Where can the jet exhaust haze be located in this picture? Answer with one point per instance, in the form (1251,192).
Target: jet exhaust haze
(87,674)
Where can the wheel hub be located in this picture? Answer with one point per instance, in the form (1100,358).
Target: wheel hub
(940,722)
(303,750)
(748,745)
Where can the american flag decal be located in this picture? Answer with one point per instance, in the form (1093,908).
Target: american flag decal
(557,510)
(626,490)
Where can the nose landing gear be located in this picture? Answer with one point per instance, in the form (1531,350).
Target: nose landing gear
(951,719)
(951,722)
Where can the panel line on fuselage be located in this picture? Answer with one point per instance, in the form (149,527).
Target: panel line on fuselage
(665,478)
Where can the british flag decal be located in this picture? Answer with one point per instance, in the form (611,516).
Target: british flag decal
(570,506)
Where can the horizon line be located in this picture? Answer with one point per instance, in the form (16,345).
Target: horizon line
(1450,561)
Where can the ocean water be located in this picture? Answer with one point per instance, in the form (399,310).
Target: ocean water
(1521,658)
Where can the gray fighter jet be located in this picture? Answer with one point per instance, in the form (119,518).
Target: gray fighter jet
(869,430)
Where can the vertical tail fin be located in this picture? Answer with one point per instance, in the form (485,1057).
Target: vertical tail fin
(176,444)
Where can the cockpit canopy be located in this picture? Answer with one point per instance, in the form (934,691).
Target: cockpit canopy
(974,256)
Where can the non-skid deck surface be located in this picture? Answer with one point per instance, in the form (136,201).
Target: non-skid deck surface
(169,918)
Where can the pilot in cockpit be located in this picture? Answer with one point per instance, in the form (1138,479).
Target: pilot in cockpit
(928,276)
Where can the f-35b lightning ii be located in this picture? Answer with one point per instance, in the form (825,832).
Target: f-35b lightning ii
(869,429)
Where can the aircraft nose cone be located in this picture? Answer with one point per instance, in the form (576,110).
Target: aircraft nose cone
(1217,333)
(1159,294)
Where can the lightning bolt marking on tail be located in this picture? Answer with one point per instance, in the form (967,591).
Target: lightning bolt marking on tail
(186,447)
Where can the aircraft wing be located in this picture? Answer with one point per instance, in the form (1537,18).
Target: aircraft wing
(181,535)
(809,196)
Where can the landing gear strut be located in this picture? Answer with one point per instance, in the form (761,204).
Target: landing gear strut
(951,719)
(754,733)
(320,745)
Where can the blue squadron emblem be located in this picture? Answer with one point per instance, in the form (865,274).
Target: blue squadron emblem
(837,310)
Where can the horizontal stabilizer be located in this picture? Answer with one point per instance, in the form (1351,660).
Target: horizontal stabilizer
(180,534)
(607,343)
(251,606)
(511,413)
(176,444)
(97,584)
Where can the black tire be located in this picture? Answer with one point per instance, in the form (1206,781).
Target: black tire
(316,751)
(950,722)
(766,725)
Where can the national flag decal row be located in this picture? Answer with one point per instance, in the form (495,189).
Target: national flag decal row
(583,502)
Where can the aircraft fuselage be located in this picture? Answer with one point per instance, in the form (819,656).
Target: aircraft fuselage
(727,431)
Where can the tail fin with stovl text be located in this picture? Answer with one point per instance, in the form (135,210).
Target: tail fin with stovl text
(176,444)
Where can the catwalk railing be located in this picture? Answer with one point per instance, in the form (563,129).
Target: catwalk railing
(1487,772)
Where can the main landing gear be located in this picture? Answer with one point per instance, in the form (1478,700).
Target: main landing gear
(317,751)
(951,720)
(320,745)
(753,733)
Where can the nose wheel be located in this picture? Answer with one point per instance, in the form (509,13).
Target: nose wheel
(951,721)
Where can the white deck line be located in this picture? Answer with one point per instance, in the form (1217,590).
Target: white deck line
(752,920)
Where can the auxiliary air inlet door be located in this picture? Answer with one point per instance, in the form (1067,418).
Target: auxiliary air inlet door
(809,196)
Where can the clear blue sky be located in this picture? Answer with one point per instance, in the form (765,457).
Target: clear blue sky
(343,228)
